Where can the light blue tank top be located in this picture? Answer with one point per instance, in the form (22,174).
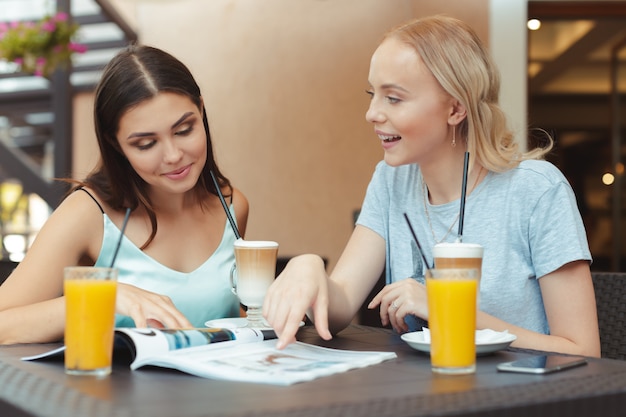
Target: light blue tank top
(201,295)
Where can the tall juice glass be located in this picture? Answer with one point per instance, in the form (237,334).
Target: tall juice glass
(452,319)
(89,319)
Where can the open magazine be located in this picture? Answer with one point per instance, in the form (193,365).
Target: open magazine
(241,354)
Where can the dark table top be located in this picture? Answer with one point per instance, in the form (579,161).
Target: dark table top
(401,387)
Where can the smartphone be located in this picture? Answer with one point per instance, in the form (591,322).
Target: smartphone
(543,364)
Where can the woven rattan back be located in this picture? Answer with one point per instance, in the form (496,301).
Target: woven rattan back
(6,267)
(610,289)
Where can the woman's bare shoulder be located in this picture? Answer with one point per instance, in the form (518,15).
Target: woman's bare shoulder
(79,205)
(239,199)
(241,205)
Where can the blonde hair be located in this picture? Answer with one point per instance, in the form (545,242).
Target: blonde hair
(454,54)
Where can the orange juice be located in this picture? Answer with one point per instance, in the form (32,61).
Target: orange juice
(452,323)
(89,325)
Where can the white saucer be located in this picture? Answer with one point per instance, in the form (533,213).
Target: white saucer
(234,323)
(416,341)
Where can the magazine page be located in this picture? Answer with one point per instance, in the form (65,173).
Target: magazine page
(132,343)
(262,363)
(148,342)
(54,354)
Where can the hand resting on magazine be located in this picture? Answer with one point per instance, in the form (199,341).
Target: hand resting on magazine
(148,309)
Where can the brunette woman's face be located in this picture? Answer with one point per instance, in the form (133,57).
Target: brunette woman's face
(409,108)
(164,140)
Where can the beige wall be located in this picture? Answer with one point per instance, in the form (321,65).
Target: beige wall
(283,83)
(508,44)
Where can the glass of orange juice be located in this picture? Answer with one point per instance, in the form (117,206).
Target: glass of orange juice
(452,319)
(89,319)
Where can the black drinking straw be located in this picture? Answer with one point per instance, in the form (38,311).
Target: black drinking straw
(119,241)
(417,242)
(463,193)
(230,218)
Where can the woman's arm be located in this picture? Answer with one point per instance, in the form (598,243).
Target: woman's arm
(570,305)
(332,301)
(568,298)
(31,307)
(354,276)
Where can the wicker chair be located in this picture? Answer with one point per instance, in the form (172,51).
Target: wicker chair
(6,267)
(610,289)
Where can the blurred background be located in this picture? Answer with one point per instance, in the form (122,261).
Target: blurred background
(284,85)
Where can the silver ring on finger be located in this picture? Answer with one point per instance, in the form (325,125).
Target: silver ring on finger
(395,305)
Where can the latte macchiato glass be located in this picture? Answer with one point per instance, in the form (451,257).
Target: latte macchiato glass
(254,272)
(459,255)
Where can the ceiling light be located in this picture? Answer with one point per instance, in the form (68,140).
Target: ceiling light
(533,24)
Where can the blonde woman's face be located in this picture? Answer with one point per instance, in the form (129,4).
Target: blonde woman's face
(163,138)
(409,109)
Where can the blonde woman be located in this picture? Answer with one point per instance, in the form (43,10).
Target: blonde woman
(434,95)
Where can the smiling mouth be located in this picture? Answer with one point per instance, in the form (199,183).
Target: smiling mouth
(178,171)
(388,139)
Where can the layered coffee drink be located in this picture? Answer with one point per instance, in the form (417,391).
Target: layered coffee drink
(255,270)
(459,255)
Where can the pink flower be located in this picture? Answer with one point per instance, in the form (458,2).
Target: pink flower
(25,37)
(77,47)
(61,17)
(49,26)
(40,66)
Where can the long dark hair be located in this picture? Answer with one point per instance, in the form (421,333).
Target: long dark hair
(136,74)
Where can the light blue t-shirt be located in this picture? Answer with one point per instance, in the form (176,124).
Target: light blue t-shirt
(201,295)
(526,219)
